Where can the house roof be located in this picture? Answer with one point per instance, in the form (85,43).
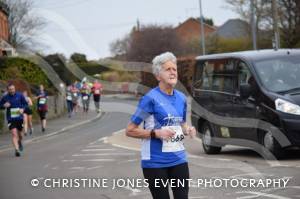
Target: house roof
(191,19)
(233,28)
(4,8)
(4,44)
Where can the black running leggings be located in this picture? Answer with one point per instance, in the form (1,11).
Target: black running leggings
(159,191)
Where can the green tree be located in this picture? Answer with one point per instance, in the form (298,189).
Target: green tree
(208,21)
(78,58)
(58,63)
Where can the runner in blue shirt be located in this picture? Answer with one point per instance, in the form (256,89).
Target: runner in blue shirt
(14,103)
(163,111)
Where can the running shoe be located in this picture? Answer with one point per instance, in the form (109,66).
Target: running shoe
(17,153)
(20,145)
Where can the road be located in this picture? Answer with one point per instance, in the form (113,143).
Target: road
(84,153)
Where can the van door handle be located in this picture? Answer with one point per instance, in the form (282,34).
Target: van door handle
(234,100)
(258,109)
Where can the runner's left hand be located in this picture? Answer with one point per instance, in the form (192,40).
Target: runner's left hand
(191,131)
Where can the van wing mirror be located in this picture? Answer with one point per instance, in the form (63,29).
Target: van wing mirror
(245,91)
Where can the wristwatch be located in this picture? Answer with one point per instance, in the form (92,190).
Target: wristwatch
(152,133)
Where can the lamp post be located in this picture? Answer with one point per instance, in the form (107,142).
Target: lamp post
(202,28)
(253,25)
(275,25)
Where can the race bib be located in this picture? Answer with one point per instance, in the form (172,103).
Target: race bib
(42,101)
(85,97)
(75,94)
(69,98)
(176,142)
(15,112)
(97,92)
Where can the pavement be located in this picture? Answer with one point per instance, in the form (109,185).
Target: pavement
(122,96)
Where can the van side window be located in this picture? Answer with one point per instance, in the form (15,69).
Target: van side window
(223,75)
(207,75)
(197,79)
(216,75)
(244,73)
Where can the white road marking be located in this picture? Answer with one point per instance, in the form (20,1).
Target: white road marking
(68,160)
(223,159)
(194,184)
(125,147)
(118,132)
(77,168)
(234,164)
(86,150)
(83,169)
(102,139)
(97,141)
(93,143)
(195,156)
(93,146)
(91,160)
(134,192)
(281,165)
(103,154)
(91,168)
(287,187)
(253,175)
(126,161)
(100,160)
(105,141)
(46,166)
(259,194)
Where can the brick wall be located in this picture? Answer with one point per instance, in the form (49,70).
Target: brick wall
(4,31)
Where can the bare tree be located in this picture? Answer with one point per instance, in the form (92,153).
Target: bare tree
(290,22)
(263,16)
(262,10)
(289,16)
(120,46)
(24,25)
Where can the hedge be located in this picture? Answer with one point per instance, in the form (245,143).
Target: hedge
(19,68)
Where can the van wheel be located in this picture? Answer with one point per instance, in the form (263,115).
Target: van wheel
(271,145)
(207,140)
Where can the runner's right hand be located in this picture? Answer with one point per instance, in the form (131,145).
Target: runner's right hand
(164,134)
(7,105)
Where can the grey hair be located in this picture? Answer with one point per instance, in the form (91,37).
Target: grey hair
(159,60)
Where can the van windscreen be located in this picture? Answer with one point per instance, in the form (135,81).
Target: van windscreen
(279,74)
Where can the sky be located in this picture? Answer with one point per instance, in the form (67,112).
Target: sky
(89,26)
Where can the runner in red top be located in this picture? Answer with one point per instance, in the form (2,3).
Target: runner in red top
(97,90)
